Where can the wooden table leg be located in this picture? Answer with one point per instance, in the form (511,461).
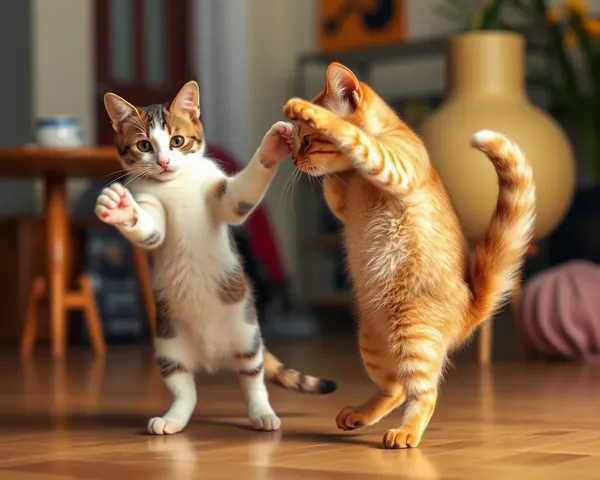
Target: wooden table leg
(55,285)
(56,245)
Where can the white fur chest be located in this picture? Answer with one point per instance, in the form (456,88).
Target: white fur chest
(196,251)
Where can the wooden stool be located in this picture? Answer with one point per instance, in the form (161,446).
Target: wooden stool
(54,166)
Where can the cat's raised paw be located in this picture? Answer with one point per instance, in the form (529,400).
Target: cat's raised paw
(297,109)
(400,438)
(277,144)
(351,419)
(162,426)
(114,205)
(266,423)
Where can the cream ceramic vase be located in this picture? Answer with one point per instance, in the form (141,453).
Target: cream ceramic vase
(486,90)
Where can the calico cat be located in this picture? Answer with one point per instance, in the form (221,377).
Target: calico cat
(180,209)
(418,294)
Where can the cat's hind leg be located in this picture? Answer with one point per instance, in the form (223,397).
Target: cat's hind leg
(381,369)
(249,363)
(177,367)
(420,357)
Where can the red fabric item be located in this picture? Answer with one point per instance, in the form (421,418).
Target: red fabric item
(262,236)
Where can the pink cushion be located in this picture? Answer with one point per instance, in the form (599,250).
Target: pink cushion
(559,314)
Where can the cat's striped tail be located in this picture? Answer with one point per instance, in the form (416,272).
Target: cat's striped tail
(499,256)
(277,373)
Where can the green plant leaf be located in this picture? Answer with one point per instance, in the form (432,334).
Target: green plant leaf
(521,6)
(491,14)
(589,56)
(556,46)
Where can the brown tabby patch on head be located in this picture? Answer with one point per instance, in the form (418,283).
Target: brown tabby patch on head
(134,125)
(233,287)
(138,128)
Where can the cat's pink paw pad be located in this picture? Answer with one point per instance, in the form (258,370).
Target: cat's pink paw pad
(114,205)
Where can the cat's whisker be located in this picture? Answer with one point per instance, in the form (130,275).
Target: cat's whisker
(128,172)
(290,194)
(142,173)
(284,195)
(123,170)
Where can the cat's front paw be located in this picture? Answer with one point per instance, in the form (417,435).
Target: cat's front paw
(162,426)
(115,206)
(401,438)
(277,144)
(299,110)
(267,423)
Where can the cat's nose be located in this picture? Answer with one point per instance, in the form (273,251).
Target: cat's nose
(163,162)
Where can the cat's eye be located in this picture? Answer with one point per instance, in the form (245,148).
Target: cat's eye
(306,141)
(177,141)
(144,146)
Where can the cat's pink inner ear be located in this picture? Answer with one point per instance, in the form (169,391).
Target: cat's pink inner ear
(118,109)
(343,85)
(188,99)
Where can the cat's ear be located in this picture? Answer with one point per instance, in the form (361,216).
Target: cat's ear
(188,100)
(343,87)
(118,110)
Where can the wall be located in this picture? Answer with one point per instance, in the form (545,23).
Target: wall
(63,80)
(51,73)
(63,73)
(16,197)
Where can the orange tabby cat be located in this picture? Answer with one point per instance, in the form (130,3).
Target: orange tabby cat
(418,295)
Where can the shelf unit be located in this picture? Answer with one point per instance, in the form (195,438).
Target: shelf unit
(322,265)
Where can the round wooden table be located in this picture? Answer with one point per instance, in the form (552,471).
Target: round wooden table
(54,166)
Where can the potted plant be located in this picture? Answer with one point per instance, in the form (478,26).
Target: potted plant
(572,36)
(485,89)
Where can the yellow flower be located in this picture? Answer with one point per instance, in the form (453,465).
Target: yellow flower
(592,27)
(576,7)
(553,16)
(570,39)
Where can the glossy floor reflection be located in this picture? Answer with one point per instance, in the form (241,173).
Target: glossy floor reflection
(82,419)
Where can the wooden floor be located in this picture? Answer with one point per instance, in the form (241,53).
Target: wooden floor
(86,420)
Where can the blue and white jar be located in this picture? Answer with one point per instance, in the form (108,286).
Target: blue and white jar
(59,132)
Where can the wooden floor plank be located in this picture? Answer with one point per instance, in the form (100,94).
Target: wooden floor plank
(81,419)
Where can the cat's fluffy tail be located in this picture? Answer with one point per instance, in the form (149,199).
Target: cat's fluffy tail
(277,373)
(500,254)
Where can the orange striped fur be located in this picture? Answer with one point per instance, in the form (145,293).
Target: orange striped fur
(418,296)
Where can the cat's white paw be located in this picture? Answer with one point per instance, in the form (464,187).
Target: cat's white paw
(277,144)
(267,423)
(115,205)
(162,426)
